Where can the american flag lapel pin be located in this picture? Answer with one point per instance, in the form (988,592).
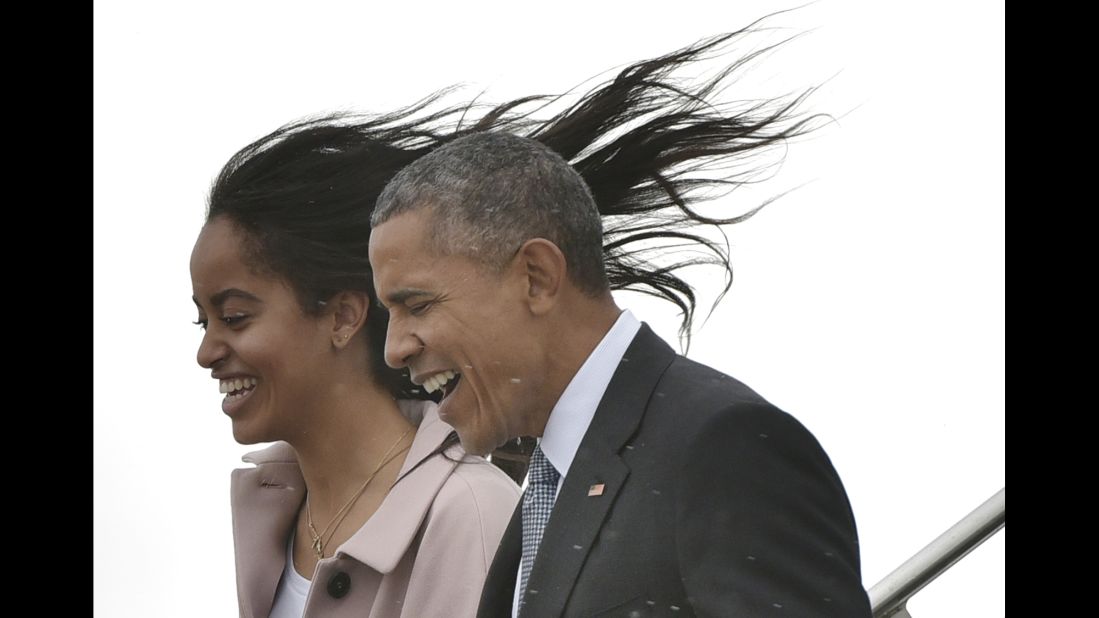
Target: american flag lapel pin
(596,490)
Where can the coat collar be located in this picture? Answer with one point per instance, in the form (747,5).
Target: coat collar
(387,535)
(578,516)
(266,499)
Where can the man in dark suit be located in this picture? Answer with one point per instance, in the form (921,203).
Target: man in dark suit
(659,486)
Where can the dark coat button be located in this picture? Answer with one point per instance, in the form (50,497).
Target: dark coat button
(339,585)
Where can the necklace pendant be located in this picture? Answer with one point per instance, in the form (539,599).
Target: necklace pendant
(318,548)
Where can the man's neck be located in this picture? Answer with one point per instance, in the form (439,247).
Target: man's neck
(570,341)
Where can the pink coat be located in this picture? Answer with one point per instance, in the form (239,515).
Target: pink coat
(424,552)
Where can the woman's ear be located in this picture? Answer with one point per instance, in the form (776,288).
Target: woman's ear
(348,310)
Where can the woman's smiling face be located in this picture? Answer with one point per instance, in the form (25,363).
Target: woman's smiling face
(267,354)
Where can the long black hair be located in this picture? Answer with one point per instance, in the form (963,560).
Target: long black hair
(643,142)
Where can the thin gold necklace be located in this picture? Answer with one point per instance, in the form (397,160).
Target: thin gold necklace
(337,519)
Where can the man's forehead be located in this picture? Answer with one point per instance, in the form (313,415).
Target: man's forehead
(403,267)
(407,231)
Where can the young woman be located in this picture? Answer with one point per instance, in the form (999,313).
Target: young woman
(366,504)
(359,505)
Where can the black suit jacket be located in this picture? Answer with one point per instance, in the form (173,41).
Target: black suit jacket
(714,503)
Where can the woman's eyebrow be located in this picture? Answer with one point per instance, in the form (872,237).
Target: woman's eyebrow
(219,299)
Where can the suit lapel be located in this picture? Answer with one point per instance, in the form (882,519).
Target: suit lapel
(580,510)
(499,589)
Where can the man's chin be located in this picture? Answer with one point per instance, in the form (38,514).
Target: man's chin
(479,442)
(476,437)
(474,445)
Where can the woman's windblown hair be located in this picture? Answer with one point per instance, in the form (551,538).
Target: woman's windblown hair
(653,143)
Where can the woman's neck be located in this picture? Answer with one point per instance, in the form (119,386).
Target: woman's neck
(348,439)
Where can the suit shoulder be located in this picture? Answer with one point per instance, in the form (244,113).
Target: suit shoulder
(700,404)
(690,379)
(694,389)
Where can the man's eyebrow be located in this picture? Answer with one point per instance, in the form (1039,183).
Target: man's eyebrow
(401,296)
(219,299)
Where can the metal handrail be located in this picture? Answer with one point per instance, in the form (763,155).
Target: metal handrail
(889,596)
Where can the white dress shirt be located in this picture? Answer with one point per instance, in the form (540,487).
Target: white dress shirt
(571,416)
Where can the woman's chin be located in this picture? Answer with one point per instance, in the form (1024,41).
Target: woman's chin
(245,434)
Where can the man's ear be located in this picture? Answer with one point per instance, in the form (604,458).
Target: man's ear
(348,310)
(544,267)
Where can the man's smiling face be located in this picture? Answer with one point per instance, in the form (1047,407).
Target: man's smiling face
(459,326)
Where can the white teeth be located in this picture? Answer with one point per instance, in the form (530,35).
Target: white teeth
(438,381)
(235,385)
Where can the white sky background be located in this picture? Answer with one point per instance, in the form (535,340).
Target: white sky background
(869,303)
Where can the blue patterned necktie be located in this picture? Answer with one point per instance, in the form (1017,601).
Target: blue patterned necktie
(537,504)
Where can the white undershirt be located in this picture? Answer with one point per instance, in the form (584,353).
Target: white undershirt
(293,588)
(571,416)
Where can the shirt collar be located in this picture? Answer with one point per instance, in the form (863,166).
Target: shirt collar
(569,419)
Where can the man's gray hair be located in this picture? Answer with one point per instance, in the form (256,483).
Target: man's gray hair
(491,192)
